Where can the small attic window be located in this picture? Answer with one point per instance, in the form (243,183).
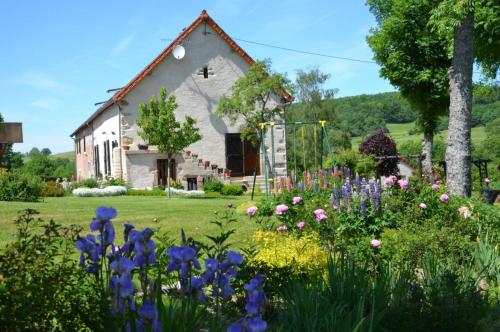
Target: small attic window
(205,71)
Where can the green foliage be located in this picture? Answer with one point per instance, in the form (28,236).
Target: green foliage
(213,186)
(50,168)
(45,152)
(10,159)
(34,152)
(116,182)
(251,97)
(158,126)
(53,189)
(142,192)
(88,183)
(412,56)
(19,186)
(41,287)
(232,190)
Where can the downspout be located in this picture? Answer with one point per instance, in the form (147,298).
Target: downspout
(120,137)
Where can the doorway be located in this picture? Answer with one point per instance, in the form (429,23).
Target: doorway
(161,166)
(242,158)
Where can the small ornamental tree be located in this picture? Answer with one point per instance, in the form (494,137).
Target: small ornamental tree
(251,99)
(379,144)
(159,127)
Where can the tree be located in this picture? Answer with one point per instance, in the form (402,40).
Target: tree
(472,29)
(11,160)
(379,144)
(310,92)
(34,152)
(413,58)
(159,127)
(46,152)
(252,99)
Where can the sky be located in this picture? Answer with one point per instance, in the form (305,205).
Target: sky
(59,57)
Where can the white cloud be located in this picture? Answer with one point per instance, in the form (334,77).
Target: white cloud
(41,81)
(123,44)
(49,104)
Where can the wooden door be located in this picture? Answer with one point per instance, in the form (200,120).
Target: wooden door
(234,154)
(250,158)
(161,166)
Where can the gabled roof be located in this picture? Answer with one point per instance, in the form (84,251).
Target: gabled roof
(203,18)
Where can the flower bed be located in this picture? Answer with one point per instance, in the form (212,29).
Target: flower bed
(185,193)
(95,192)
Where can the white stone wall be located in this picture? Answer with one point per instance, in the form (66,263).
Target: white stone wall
(196,96)
(104,126)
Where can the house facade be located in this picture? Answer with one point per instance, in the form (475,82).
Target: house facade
(107,144)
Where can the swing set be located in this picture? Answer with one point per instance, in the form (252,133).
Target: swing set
(320,128)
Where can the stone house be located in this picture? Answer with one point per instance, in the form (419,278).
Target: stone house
(107,144)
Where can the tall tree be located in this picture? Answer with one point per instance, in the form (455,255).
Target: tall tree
(253,99)
(46,152)
(159,127)
(473,28)
(413,58)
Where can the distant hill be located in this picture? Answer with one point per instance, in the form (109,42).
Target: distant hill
(69,155)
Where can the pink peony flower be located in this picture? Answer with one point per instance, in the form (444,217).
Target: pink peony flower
(435,186)
(403,184)
(280,209)
(465,212)
(251,211)
(320,215)
(390,181)
(443,198)
(301,225)
(375,244)
(423,206)
(282,229)
(487,181)
(296,200)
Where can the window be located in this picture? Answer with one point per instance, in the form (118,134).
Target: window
(205,72)
(109,158)
(97,166)
(114,145)
(84,145)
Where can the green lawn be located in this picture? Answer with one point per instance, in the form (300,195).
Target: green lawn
(194,215)
(399,131)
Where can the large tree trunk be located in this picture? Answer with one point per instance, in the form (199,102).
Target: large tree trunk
(458,150)
(427,153)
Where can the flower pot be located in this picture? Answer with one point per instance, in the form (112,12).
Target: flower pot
(126,147)
(142,146)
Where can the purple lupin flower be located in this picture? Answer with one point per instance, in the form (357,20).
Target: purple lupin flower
(357,183)
(372,187)
(377,197)
(362,206)
(315,186)
(336,194)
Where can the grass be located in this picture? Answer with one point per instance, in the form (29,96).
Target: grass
(400,133)
(194,215)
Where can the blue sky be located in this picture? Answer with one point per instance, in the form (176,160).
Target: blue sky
(59,57)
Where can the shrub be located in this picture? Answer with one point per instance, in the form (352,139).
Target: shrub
(379,144)
(41,287)
(88,183)
(186,193)
(213,186)
(232,190)
(115,182)
(95,192)
(144,192)
(19,186)
(53,189)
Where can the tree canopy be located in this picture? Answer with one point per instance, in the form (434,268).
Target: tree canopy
(252,99)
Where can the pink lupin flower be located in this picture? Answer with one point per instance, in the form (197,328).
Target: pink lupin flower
(281,229)
(301,225)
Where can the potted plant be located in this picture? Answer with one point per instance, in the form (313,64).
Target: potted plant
(142,146)
(126,147)
(214,166)
(188,153)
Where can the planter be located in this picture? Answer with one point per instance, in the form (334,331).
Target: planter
(214,167)
(188,153)
(142,146)
(126,147)
(228,173)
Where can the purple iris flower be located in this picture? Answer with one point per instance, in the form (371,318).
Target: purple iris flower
(144,247)
(104,213)
(182,259)
(149,318)
(220,272)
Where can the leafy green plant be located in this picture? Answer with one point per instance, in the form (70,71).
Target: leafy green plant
(41,288)
(19,186)
(232,190)
(115,182)
(88,183)
(143,192)
(213,186)
(53,189)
